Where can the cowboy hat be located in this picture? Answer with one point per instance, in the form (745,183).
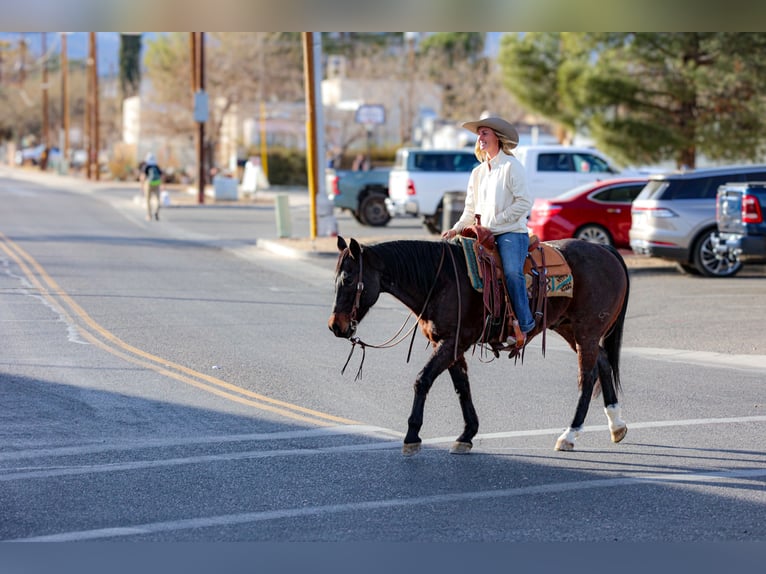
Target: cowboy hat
(497,124)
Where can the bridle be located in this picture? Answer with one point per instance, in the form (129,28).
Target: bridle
(357,298)
(392,341)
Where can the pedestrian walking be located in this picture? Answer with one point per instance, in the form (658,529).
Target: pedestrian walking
(151,179)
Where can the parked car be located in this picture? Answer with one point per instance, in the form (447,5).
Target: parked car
(740,208)
(554,169)
(674,218)
(34,155)
(598,212)
(421,177)
(363,193)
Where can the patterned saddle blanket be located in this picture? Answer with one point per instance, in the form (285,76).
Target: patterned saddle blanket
(542,258)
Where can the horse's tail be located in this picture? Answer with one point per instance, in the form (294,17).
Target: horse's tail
(613,339)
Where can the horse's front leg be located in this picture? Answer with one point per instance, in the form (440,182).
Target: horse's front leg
(459,373)
(435,366)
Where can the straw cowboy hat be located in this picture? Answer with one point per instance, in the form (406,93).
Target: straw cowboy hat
(498,124)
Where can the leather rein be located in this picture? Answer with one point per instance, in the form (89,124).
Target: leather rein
(393,341)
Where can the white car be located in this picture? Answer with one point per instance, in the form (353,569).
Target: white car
(554,169)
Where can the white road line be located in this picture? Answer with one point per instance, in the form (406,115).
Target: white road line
(740,475)
(199,440)
(729,361)
(9,475)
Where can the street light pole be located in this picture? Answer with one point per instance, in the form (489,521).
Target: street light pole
(311,151)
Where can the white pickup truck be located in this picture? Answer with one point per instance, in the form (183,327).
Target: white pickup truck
(421,177)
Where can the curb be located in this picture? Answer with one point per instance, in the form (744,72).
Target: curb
(292,252)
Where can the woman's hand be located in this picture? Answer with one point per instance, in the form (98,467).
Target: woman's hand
(449,234)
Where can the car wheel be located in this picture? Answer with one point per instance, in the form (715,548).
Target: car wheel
(687,269)
(434,222)
(711,262)
(373,212)
(594,234)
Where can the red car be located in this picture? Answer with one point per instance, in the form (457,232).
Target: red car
(598,212)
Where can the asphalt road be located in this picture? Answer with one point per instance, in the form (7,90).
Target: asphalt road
(175,381)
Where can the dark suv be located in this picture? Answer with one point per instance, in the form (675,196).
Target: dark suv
(740,215)
(674,217)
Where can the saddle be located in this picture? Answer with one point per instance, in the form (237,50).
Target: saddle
(547,275)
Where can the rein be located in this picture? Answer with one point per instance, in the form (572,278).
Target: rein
(392,341)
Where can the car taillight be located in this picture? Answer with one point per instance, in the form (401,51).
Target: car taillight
(410,187)
(335,189)
(751,210)
(547,209)
(658,212)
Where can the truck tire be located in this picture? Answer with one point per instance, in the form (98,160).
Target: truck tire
(372,210)
(711,263)
(434,222)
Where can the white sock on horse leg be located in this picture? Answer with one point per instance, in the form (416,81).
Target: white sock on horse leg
(613,413)
(570,434)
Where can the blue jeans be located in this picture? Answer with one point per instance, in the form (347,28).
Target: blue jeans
(513,250)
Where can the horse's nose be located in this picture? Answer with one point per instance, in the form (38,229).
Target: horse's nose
(336,327)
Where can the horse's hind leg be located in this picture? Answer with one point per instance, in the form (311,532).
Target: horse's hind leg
(459,373)
(587,357)
(617,427)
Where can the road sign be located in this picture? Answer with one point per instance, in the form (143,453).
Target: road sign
(371,114)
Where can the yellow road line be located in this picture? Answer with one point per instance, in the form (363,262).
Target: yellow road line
(54,294)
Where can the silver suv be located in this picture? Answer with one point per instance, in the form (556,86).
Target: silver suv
(674,218)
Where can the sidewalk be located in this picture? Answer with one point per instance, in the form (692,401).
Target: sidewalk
(183,196)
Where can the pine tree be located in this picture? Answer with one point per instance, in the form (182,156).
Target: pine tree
(647,97)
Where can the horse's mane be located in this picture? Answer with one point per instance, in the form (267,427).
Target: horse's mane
(417,260)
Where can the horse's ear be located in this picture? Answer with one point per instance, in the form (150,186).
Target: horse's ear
(341,244)
(355,249)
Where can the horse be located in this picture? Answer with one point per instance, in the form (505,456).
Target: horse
(431,279)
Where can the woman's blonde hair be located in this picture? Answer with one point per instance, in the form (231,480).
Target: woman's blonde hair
(506,144)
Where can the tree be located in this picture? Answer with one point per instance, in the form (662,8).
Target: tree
(240,69)
(647,97)
(471,81)
(457,46)
(130,64)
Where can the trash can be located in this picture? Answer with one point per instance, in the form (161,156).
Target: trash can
(452,208)
(224,187)
(282,212)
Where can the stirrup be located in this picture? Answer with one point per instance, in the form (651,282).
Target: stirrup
(510,344)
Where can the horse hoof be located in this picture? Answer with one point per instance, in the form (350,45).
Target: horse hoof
(619,434)
(410,449)
(563,444)
(460,447)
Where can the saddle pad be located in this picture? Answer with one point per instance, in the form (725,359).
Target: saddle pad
(559,281)
(472,264)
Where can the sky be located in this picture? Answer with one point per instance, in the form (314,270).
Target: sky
(107,43)
(108,46)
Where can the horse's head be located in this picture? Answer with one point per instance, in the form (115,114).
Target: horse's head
(357,287)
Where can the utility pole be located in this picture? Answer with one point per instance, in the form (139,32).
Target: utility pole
(197,48)
(45,142)
(91,115)
(22,60)
(64,99)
